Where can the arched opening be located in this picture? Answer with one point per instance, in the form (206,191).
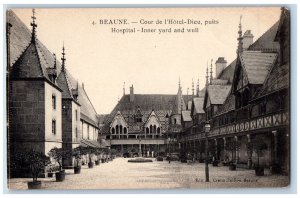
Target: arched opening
(125,130)
(121,129)
(113,130)
(151,129)
(147,130)
(117,129)
(154,129)
(175,121)
(158,130)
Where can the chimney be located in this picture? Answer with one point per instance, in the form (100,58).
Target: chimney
(221,63)
(247,39)
(131,94)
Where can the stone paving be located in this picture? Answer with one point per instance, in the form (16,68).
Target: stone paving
(119,174)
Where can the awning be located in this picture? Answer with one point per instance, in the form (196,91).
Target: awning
(89,143)
(104,143)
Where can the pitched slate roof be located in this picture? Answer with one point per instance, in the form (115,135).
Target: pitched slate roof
(227,73)
(186,116)
(160,103)
(257,65)
(30,65)
(198,104)
(218,93)
(267,41)
(65,84)
(20,38)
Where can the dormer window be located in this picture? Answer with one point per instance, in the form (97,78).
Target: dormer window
(138,116)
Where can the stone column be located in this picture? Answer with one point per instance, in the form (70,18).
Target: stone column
(249,152)
(224,152)
(275,158)
(236,151)
(216,149)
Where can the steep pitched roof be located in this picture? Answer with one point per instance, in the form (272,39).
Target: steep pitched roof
(19,40)
(186,116)
(198,104)
(30,64)
(218,93)
(267,41)
(160,103)
(227,73)
(257,65)
(65,84)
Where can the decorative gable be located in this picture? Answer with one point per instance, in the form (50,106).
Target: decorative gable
(119,124)
(152,125)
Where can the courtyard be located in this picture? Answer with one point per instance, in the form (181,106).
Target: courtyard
(119,174)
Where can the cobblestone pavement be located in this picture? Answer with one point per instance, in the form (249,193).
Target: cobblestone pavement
(119,174)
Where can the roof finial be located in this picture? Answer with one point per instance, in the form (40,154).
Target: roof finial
(123,88)
(193,89)
(206,84)
(240,38)
(54,56)
(211,76)
(179,85)
(63,59)
(34,25)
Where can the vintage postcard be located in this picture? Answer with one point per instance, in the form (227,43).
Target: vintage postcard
(148,98)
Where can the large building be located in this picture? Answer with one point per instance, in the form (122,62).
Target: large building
(145,123)
(248,100)
(47,106)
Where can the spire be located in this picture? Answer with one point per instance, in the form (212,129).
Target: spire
(211,76)
(193,89)
(123,88)
(187,98)
(240,38)
(179,85)
(206,84)
(34,25)
(63,59)
(54,56)
(198,89)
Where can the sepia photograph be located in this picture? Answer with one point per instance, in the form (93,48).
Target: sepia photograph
(148,98)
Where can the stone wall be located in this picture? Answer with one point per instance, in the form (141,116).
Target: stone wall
(27,115)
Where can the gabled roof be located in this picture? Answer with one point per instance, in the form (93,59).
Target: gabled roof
(186,116)
(257,65)
(152,114)
(218,93)
(160,103)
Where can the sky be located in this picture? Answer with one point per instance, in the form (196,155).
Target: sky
(151,62)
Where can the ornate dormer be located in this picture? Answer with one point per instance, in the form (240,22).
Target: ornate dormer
(138,117)
(52,72)
(75,92)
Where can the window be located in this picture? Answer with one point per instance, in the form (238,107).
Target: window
(88,132)
(54,127)
(147,130)
(53,102)
(151,130)
(158,130)
(175,121)
(113,130)
(125,130)
(76,133)
(76,116)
